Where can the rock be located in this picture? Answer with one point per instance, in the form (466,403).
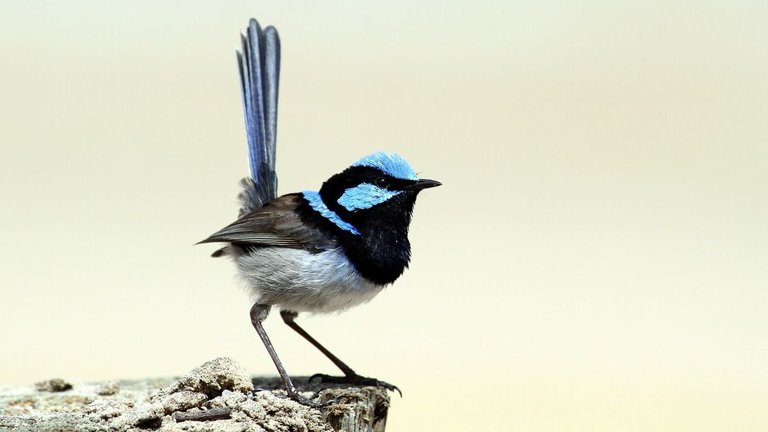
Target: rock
(53,385)
(216,396)
(108,388)
(215,376)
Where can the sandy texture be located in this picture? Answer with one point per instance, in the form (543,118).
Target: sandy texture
(219,389)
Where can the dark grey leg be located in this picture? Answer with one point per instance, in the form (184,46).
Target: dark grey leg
(350,376)
(259,313)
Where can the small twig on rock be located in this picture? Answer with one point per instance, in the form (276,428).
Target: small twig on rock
(211,414)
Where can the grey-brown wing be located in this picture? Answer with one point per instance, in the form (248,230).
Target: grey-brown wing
(275,224)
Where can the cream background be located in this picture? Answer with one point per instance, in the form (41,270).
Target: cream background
(596,258)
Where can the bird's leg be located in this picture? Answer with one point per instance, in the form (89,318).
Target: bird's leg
(289,318)
(259,313)
(350,376)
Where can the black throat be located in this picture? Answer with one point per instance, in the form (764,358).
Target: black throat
(381,251)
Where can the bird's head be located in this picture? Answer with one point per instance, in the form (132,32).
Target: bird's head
(381,185)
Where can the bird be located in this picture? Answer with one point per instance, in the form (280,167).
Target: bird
(312,251)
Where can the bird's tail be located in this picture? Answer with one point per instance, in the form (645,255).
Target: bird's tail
(259,64)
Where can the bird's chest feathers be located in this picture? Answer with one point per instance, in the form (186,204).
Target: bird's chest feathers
(370,224)
(382,251)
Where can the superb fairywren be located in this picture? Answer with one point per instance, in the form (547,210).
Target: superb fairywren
(313,251)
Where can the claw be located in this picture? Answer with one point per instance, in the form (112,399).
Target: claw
(390,387)
(312,404)
(317,375)
(355,380)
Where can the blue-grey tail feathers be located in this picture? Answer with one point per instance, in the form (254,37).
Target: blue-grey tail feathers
(259,65)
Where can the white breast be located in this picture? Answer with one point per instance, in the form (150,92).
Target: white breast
(297,280)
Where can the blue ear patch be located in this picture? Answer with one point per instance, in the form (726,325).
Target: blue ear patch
(364,196)
(392,164)
(319,206)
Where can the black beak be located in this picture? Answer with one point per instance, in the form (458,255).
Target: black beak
(423,184)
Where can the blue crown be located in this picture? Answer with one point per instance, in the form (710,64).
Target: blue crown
(392,164)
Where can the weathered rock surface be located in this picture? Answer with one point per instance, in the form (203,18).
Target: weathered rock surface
(217,396)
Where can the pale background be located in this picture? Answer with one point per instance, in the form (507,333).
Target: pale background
(595,261)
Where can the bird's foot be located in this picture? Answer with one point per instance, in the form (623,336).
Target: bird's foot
(358,380)
(295,396)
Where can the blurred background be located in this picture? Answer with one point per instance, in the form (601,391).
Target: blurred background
(596,259)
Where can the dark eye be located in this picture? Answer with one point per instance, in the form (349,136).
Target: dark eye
(382,182)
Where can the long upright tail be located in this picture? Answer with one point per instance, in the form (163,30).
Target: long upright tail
(259,64)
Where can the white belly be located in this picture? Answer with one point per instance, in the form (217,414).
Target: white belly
(296,280)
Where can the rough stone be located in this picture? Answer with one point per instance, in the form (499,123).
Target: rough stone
(220,383)
(215,376)
(53,385)
(108,388)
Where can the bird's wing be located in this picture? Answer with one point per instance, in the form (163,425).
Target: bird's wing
(259,65)
(275,224)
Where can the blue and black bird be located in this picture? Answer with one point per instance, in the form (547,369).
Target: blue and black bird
(313,251)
